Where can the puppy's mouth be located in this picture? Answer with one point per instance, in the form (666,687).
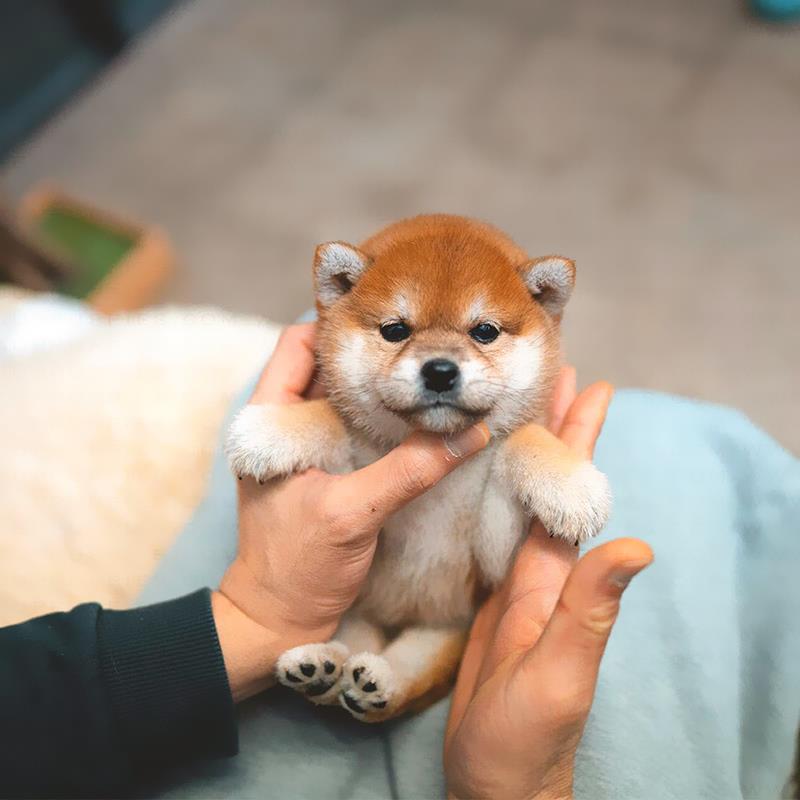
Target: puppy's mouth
(438,414)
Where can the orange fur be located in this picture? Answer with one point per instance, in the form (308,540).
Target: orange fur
(296,418)
(435,682)
(442,264)
(537,443)
(421,291)
(440,256)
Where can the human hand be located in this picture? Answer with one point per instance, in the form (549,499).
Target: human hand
(307,542)
(529,671)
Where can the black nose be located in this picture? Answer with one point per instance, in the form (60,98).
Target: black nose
(439,374)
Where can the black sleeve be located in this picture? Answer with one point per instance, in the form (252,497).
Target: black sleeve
(93,700)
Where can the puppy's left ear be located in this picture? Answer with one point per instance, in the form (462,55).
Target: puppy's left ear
(337,268)
(550,280)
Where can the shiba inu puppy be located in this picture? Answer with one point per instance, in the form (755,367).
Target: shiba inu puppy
(434,323)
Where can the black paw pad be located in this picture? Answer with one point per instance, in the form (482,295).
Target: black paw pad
(329,667)
(352,704)
(308,669)
(357,673)
(317,688)
(369,687)
(381,704)
(292,678)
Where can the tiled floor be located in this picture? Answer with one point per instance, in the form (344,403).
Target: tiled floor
(657,142)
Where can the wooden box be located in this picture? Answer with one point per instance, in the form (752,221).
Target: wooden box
(117,264)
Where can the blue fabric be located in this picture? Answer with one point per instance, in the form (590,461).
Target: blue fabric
(699,691)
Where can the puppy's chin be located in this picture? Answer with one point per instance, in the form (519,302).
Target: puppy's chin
(441,419)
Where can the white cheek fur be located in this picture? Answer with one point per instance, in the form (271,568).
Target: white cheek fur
(350,359)
(520,374)
(471,370)
(523,364)
(356,390)
(407,369)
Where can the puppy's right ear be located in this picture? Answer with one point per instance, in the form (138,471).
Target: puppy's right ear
(337,268)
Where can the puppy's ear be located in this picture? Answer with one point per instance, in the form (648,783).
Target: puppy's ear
(337,268)
(550,280)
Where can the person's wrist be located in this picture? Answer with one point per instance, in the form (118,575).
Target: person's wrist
(245,589)
(253,630)
(249,650)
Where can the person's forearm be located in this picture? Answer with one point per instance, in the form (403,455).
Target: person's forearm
(58,737)
(92,698)
(249,650)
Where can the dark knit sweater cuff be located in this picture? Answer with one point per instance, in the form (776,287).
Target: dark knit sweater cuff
(164,671)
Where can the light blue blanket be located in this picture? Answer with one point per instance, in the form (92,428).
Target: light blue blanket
(699,693)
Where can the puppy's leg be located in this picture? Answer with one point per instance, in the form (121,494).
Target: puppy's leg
(415,670)
(269,441)
(315,670)
(360,634)
(569,495)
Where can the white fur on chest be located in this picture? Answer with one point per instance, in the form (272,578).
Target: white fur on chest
(433,551)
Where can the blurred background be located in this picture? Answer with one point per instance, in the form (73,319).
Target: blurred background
(655,141)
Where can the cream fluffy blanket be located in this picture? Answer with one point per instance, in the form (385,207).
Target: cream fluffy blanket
(106,446)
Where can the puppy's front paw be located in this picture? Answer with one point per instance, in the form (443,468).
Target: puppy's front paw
(313,670)
(575,505)
(271,441)
(368,687)
(257,444)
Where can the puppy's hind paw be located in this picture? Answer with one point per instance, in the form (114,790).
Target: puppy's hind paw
(368,688)
(313,670)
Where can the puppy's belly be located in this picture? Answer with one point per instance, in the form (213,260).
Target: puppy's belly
(433,594)
(429,567)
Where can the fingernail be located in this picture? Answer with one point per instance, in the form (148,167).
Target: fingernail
(625,573)
(467,442)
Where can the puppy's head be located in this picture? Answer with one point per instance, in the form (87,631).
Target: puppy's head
(436,323)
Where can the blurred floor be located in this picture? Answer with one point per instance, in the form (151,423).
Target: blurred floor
(656,142)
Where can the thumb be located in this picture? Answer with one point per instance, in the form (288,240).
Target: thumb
(567,657)
(414,466)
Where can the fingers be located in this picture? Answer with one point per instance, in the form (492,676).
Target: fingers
(289,369)
(540,570)
(480,638)
(584,419)
(564,394)
(566,659)
(413,467)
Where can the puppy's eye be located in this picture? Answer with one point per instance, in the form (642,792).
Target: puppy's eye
(395,331)
(485,332)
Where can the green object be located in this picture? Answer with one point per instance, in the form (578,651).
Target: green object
(92,248)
